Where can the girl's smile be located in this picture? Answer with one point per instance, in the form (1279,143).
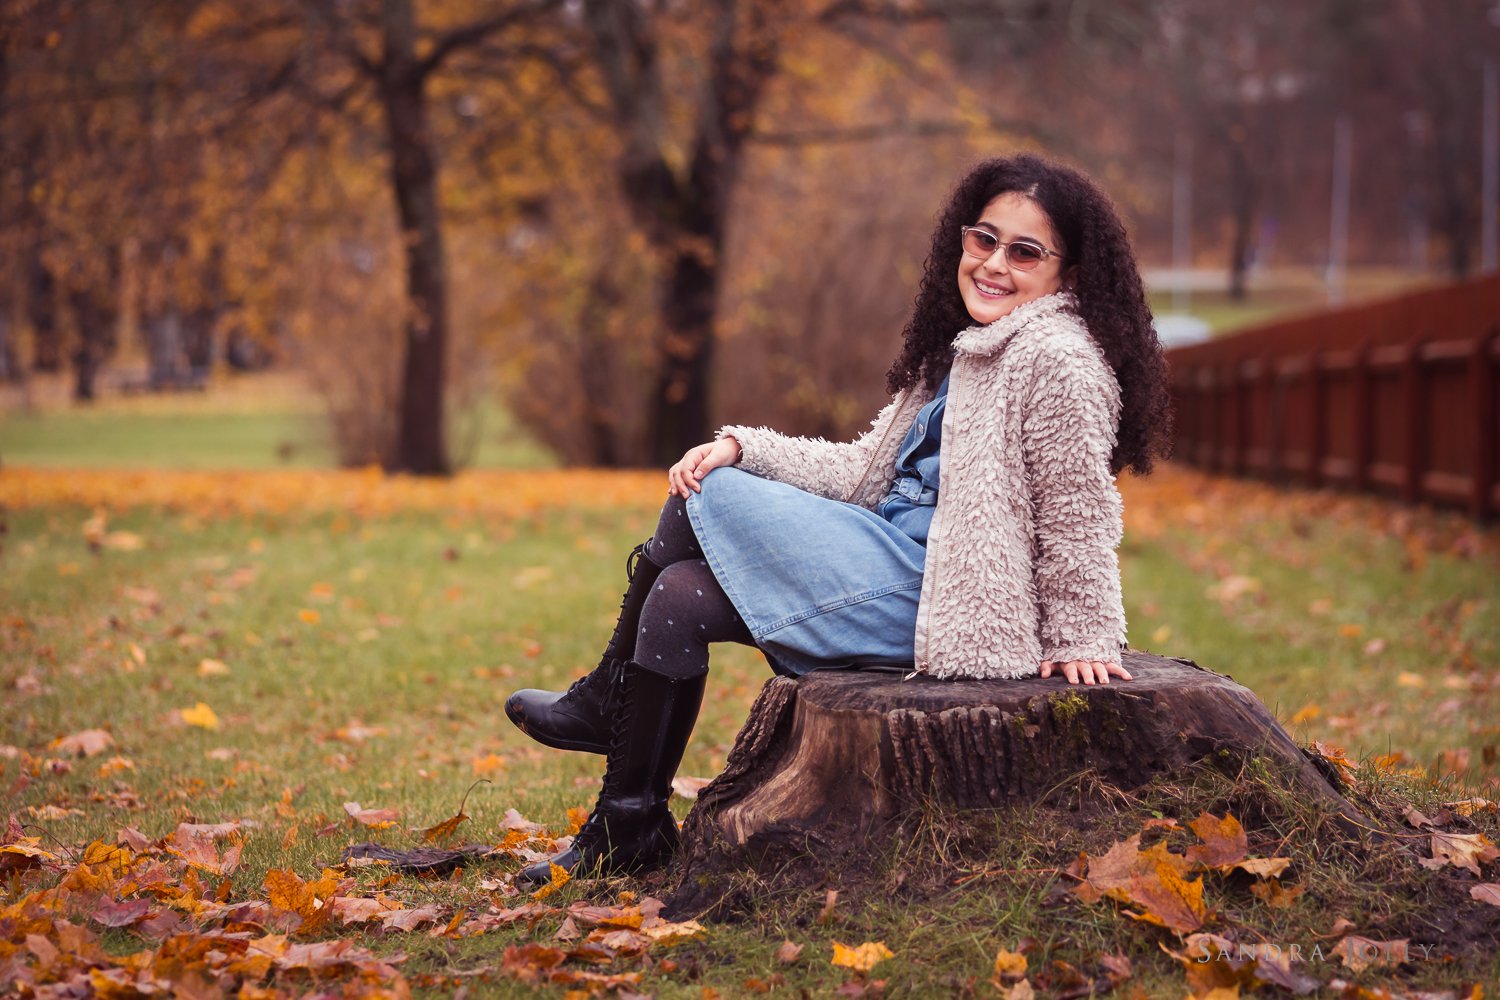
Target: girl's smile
(991,287)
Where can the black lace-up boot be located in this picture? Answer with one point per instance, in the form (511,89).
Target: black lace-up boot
(579,718)
(631,827)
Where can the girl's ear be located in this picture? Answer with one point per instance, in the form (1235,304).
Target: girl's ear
(1070,279)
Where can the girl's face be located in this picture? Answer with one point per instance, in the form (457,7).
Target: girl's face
(991,286)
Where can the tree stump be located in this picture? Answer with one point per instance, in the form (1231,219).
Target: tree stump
(824,761)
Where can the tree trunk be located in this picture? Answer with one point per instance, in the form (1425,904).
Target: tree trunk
(420,446)
(679,415)
(1243,197)
(826,762)
(684,216)
(96,338)
(41,310)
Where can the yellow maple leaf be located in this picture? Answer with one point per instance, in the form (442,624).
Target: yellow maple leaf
(862,958)
(1009,964)
(560,878)
(200,715)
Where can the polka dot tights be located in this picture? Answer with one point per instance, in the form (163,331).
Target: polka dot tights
(687,608)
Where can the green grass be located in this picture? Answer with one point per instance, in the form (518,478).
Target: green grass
(250,422)
(1282,294)
(424,624)
(1380,624)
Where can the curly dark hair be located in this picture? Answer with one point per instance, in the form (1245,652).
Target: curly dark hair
(1102,269)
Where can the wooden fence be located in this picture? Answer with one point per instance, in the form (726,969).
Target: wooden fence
(1395,397)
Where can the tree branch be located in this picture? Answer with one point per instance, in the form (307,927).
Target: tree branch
(475,32)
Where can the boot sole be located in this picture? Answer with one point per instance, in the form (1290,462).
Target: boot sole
(555,743)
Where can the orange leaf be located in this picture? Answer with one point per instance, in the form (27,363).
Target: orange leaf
(443,830)
(1224,841)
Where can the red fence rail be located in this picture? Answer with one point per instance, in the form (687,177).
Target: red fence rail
(1397,397)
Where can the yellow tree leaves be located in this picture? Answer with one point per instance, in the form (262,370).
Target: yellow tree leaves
(200,715)
(861,958)
(364,493)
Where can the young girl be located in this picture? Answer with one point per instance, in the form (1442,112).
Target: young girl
(970,533)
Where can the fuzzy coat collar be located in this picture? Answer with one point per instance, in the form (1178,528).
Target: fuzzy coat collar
(982,341)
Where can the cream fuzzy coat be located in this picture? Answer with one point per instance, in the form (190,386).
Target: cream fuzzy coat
(1021,562)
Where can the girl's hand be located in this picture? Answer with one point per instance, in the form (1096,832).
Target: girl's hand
(685,476)
(1091,671)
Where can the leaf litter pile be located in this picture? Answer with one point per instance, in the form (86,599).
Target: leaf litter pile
(123,878)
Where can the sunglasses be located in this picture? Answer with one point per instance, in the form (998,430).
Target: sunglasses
(1023,255)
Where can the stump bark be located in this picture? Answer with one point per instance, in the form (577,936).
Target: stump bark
(823,762)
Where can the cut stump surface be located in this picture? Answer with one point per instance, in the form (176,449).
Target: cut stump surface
(825,760)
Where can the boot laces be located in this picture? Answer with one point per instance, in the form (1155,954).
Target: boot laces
(600,676)
(593,832)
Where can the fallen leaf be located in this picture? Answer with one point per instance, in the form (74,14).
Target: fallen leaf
(667,933)
(115,913)
(1224,841)
(1486,892)
(1335,756)
(87,743)
(560,878)
(375,819)
(199,851)
(629,917)
(115,765)
(1462,850)
(1360,953)
(830,900)
(124,541)
(1168,900)
(1416,818)
(488,764)
(212,668)
(1260,867)
(1275,894)
(23,854)
(577,816)
(531,962)
(357,732)
(200,715)
(410,920)
(513,820)
(862,958)
(309,900)
(1306,713)
(1116,967)
(1468,807)
(358,909)
(1009,964)
(789,952)
(51,812)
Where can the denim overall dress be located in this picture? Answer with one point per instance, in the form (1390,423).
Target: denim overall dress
(821,583)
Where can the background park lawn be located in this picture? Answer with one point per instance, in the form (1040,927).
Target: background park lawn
(353,637)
